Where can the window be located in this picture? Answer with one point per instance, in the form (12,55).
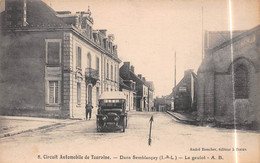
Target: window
(97,64)
(91,32)
(105,43)
(78,93)
(241,82)
(115,73)
(53,53)
(111,72)
(89,60)
(53,92)
(78,57)
(97,95)
(107,71)
(109,45)
(99,40)
(89,94)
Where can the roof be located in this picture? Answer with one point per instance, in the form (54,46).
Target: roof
(123,85)
(188,72)
(41,17)
(237,37)
(112,95)
(150,85)
(208,63)
(216,38)
(133,76)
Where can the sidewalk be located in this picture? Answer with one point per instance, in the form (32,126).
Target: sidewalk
(14,125)
(182,117)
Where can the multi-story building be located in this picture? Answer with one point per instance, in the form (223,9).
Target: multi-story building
(142,88)
(54,61)
(128,87)
(150,95)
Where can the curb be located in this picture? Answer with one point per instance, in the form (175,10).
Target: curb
(193,122)
(35,129)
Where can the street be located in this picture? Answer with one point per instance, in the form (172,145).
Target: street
(170,141)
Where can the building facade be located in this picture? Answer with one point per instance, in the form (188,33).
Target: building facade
(128,87)
(228,78)
(162,104)
(142,88)
(184,93)
(55,61)
(150,95)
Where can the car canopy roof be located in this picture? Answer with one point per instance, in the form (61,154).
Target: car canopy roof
(112,95)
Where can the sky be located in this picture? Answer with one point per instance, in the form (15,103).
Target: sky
(149,32)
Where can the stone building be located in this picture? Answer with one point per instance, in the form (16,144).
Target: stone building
(228,78)
(128,87)
(53,61)
(162,104)
(150,95)
(184,94)
(142,88)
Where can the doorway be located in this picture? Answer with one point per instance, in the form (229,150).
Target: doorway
(89,95)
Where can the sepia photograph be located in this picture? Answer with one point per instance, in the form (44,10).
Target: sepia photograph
(129,81)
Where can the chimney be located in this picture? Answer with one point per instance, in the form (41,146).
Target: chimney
(143,78)
(140,76)
(16,12)
(127,65)
(188,72)
(133,69)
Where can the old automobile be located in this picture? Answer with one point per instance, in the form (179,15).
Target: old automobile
(111,111)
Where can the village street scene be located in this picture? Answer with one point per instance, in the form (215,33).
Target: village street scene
(129,81)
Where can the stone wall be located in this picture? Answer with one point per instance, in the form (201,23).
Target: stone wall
(22,69)
(216,96)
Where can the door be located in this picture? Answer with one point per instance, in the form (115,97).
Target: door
(89,94)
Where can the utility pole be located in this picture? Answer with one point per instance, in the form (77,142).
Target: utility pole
(175,69)
(202,32)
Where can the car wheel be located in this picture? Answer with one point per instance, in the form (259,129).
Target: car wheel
(98,127)
(124,124)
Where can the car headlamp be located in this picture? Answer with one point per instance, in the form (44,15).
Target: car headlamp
(116,118)
(104,118)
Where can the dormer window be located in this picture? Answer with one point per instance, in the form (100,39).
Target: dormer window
(90,30)
(105,43)
(99,40)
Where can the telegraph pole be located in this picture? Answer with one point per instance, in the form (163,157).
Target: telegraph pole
(202,35)
(175,69)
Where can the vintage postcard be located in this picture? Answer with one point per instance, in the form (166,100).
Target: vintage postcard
(129,81)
